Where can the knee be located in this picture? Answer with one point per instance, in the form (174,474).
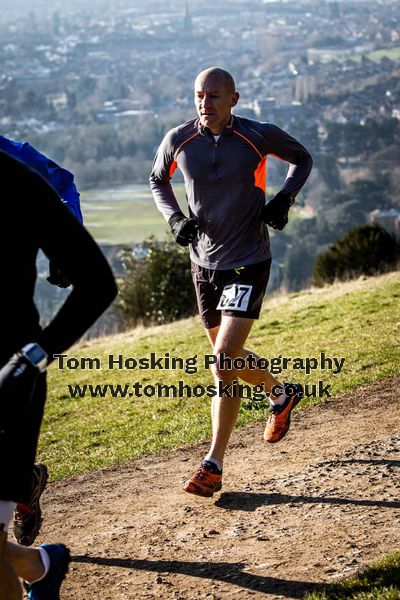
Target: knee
(224,367)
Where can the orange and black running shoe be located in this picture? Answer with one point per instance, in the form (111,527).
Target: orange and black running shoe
(279,420)
(205,481)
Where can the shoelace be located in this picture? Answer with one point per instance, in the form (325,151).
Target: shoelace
(23,512)
(201,473)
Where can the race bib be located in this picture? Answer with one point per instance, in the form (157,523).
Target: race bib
(235,297)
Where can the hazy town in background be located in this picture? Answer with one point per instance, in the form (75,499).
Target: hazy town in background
(96,85)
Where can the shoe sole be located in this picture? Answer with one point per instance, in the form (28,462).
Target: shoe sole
(296,401)
(192,488)
(43,479)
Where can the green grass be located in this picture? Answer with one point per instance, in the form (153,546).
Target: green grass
(375,55)
(392,53)
(381,581)
(124,214)
(354,320)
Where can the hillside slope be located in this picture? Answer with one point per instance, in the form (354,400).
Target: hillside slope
(291,517)
(351,322)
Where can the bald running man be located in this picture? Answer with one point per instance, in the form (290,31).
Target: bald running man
(223,160)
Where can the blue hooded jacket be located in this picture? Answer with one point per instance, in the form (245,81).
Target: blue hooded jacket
(60,179)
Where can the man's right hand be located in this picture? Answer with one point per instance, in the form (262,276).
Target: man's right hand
(183,228)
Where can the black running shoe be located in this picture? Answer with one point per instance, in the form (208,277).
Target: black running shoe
(28,517)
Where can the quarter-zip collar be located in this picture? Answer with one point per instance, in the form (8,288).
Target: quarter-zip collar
(227,130)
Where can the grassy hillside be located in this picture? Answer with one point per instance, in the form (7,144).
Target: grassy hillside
(356,321)
(380,581)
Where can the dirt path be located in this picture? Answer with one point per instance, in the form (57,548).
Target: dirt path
(291,516)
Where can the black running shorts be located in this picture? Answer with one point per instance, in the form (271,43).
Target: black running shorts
(235,292)
(18,449)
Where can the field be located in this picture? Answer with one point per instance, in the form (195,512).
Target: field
(392,53)
(376,55)
(124,214)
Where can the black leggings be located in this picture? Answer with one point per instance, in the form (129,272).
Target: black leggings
(18,450)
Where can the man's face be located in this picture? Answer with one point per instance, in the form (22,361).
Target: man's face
(214,101)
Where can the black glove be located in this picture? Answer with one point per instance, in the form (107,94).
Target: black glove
(276,212)
(17,383)
(184,229)
(56,277)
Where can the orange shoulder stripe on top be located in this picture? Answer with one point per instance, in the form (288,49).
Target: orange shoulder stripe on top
(174,165)
(249,142)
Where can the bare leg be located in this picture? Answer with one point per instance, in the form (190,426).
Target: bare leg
(230,339)
(253,376)
(26,562)
(227,339)
(10,586)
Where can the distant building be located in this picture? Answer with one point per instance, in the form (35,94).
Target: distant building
(264,107)
(57,101)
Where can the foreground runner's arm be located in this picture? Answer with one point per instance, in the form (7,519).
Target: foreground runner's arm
(64,240)
(63,182)
(48,225)
(72,247)
(280,144)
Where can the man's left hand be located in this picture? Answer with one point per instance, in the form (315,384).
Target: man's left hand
(276,212)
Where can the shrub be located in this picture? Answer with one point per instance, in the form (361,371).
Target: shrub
(157,286)
(364,250)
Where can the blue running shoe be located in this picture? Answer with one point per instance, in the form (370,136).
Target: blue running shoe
(48,588)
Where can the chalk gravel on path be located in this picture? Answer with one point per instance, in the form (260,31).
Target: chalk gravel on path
(291,517)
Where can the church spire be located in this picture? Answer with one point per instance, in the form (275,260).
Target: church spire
(188,24)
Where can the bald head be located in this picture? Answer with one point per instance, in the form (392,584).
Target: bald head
(215,96)
(217,75)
